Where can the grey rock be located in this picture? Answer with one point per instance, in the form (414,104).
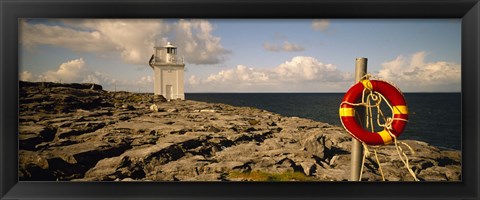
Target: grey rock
(32,135)
(79,128)
(82,133)
(33,167)
(309,167)
(172,110)
(315,144)
(128,107)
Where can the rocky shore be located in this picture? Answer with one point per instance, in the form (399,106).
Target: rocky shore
(79,132)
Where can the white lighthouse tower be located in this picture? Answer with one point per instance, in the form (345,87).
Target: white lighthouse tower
(168,72)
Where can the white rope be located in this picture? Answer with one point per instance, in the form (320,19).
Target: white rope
(379,166)
(366,153)
(387,125)
(401,152)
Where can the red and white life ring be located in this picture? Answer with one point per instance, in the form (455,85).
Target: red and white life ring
(392,94)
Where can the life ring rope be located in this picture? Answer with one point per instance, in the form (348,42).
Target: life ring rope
(369,95)
(388,120)
(387,124)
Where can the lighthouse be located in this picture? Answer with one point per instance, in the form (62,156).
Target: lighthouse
(168,72)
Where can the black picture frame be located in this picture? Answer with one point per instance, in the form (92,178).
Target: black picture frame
(12,10)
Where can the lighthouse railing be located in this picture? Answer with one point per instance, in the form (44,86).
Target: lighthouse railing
(172,60)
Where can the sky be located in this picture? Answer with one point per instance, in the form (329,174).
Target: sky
(245,55)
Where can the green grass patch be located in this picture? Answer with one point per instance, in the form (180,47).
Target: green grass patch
(264,176)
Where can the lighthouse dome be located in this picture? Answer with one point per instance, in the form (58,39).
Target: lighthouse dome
(169,45)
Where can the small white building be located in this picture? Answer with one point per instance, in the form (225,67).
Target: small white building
(168,72)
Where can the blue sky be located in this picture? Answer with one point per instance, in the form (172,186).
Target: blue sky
(245,55)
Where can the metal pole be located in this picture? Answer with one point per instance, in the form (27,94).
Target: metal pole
(357,149)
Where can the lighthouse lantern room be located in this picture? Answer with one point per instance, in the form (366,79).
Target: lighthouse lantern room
(168,72)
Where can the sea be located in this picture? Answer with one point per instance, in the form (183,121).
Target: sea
(434,118)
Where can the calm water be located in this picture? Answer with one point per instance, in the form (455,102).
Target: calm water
(434,117)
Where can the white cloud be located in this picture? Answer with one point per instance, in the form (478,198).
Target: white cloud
(194,80)
(144,80)
(301,74)
(308,68)
(72,71)
(69,71)
(99,78)
(91,79)
(41,34)
(77,71)
(241,74)
(26,76)
(413,73)
(131,39)
(195,40)
(134,39)
(287,46)
(321,25)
